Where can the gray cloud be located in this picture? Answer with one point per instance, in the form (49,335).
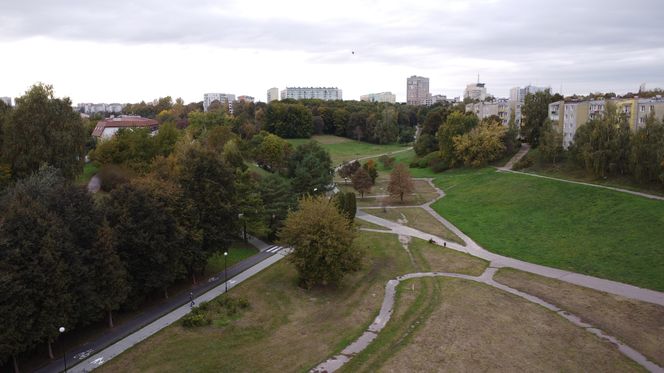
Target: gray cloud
(569,40)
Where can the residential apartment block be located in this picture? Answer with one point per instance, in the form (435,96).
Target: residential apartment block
(223,98)
(379,97)
(484,109)
(89,108)
(475,91)
(320,93)
(519,94)
(570,115)
(417,91)
(272,94)
(6,100)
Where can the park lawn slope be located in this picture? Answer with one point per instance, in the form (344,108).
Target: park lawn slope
(343,149)
(584,229)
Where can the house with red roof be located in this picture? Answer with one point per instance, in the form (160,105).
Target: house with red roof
(105,129)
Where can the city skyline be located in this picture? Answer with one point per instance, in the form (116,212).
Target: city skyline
(136,54)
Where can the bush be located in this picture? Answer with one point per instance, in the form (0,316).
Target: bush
(386,161)
(197,317)
(112,176)
(524,162)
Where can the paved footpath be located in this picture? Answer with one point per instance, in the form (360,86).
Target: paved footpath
(92,354)
(498,261)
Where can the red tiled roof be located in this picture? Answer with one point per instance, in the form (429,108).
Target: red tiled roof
(123,122)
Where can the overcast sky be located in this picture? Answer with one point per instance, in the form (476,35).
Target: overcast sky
(127,51)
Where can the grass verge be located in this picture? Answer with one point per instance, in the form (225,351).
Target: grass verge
(344,149)
(477,328)
(639,324)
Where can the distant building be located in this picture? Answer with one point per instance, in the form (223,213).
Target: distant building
(6,100)
(475,91)
(320,93)
(223,98)
(518,94)
(245,98)
(484,109)
(379,97)
(106,128)
(272,94)
(90,108)
(417,90)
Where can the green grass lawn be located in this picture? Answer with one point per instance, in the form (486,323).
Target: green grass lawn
(237,252)
(580,228)
(343,149)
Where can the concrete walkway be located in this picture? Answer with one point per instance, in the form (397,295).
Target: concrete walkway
(517,157)
(640,194)
(498,261)
(385,313)
(95,360)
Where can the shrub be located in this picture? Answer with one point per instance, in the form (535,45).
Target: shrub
(524,162)
(386,161)
(197,317)
(112,176)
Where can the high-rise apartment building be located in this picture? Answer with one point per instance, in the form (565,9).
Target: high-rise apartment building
(320,93)
(272,94)
(379,97)
(484,109)
(417,90)
(518,94)
(475,91)
(223,98)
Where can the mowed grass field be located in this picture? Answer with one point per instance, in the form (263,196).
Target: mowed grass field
(580,228)
(344,149)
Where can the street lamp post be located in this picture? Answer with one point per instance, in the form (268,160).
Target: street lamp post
(225,272)
(64,351)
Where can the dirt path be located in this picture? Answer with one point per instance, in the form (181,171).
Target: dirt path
(387,308)
(517,157)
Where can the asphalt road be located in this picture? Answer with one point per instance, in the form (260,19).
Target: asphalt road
(80,353)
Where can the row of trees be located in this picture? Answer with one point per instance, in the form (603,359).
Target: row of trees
(606,146)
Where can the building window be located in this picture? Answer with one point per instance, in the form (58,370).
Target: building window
(643,108)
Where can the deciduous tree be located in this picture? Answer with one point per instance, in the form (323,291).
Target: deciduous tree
(322,243)
(401,183)
(362,181)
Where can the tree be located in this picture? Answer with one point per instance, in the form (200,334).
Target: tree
(646,155)
(250,205)
(347,169)
(278,198)
(147,235)
(209,188)
(456,124)
(534,112)
(288,120)
(386,130)
(341,119)
(362,181)
(111,274)
(310,168)
(401,182)
(599,145)
(273,152)
(511,138)
(370,167)
(322,243)
(551,142)
(346,204)
(44,129)
(480,145)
